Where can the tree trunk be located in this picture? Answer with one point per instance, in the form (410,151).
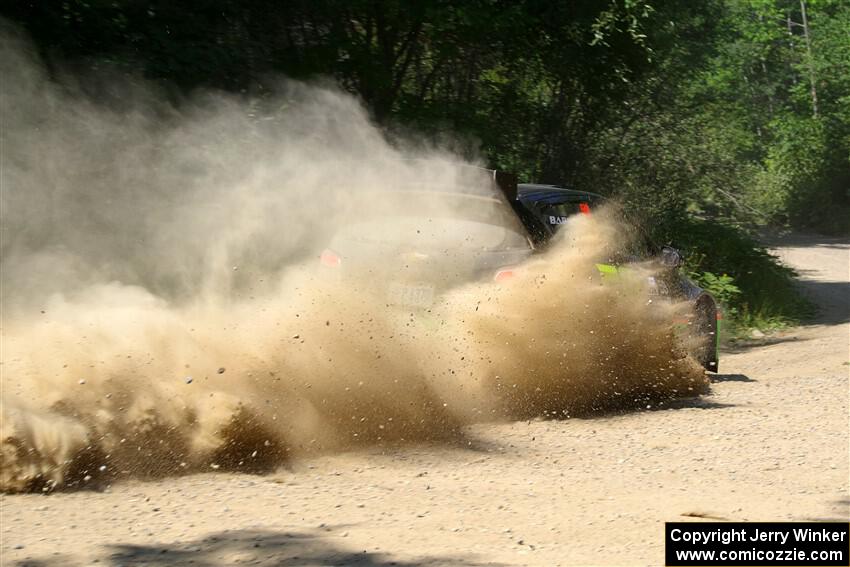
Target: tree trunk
(811,62)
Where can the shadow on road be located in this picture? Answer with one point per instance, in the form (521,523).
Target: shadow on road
(832,300)
(747,344)
(262,547)
(731,378)
(692,403)
(821,263)
(775,239)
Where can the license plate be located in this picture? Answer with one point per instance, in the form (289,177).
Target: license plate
(411,295)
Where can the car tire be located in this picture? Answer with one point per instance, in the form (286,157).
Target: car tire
(705,334)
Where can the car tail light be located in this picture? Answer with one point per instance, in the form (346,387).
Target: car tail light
(584,208)
(504,275)
(330,259)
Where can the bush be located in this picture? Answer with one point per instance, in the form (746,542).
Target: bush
(723,289)
(754,287)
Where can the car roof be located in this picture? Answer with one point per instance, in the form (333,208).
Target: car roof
(538,192)
(430,188)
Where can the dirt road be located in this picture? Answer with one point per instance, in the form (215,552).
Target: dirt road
(769,443)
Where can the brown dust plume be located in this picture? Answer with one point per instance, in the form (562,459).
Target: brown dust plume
(163,312)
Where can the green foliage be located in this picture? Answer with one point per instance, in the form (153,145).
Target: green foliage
(785,77)
(722,287)
(755,287)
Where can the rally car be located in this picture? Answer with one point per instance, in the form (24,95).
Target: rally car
(411,244)
(543,209)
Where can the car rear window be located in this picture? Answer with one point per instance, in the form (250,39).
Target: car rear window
(435,232)
(443,219)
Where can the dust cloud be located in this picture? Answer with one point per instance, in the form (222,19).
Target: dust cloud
(165,310)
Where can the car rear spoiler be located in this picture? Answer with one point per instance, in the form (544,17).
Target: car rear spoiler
(507,184)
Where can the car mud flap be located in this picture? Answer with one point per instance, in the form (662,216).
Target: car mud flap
(619,274)
(607,271)
(719,319)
